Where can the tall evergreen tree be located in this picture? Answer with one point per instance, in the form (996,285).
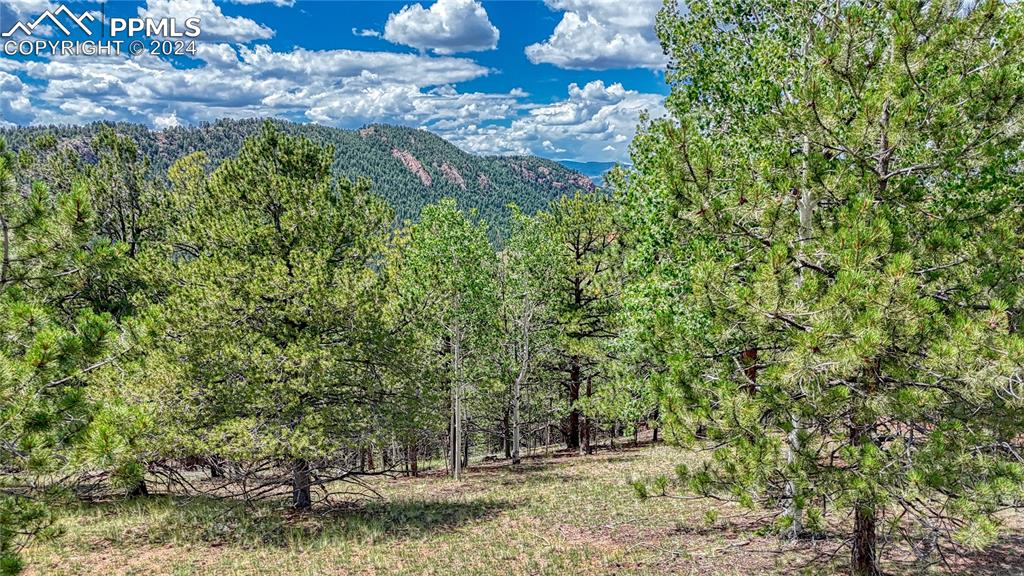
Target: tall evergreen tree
(52,341)
(584,298)
(129,430)
(274,314)
(827,238)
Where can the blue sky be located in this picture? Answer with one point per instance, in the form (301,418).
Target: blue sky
(564,79)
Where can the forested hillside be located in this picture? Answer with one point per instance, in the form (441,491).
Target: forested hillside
(409,168)
(807,281)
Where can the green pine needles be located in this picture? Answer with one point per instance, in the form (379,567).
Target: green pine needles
(812,273)
(52,340)
(828,258)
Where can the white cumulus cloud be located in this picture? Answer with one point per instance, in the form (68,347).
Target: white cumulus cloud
(336,87)
(447,27)
(29,8)
(168,121)
(26,11)
(15,106)
(595,123)
(602,35)
(213,23)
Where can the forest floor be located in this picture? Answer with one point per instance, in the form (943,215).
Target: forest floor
(560,514)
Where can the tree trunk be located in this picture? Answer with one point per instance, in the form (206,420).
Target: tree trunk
(547,437)
(413,459)
(457,408)
(216,468)
(793,509)
(573,439)
(864,553)
(516,431)
(655,439)
(864,550)
(506,437)
(301,499)
(805,210)
(451,450)
(5,231)
(748,359)
(465,451)
(585,437)
(140,489)
(587,432)
(517,385)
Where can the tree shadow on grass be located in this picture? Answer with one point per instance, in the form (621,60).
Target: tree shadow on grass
(827,553)
(410,518)
(1003,558)
(163,519)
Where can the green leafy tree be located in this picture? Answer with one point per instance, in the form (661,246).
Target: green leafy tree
(827,247)
(527,269)
(274,314)
(444,270)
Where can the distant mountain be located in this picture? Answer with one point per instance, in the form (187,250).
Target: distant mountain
(593,170)
(408,167)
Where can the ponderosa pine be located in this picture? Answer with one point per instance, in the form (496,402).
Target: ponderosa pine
(52,341)
(827,249)
(583,299)
(274,315)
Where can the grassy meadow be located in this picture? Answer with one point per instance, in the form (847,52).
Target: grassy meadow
(556,514)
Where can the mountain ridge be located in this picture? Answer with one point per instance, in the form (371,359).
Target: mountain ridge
(593,170)
(409,167)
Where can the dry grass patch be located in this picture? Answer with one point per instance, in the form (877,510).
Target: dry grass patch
(559,515)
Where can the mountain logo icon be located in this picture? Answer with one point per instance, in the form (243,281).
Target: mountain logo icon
(52,17)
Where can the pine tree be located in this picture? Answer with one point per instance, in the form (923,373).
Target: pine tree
(274,314)
(52,341)
(827,246)
(129,429)
(584,299)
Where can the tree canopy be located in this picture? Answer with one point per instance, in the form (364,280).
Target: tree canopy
(827,251)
